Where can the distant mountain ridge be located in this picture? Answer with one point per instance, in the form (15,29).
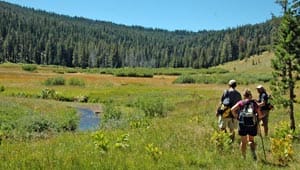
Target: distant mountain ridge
(35,36)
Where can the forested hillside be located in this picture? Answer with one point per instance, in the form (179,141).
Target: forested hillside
(32,36)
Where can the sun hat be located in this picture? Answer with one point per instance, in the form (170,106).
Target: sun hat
(231,82)
(259,87)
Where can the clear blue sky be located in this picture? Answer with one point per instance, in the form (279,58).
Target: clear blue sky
(191,15)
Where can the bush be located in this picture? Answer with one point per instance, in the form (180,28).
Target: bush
(152,106)
(76,82)
(55,81)
(185,79)
(48,94)
(29,67)
(2,88)
(282,144)
(282,150)
(111,112)
(37,124)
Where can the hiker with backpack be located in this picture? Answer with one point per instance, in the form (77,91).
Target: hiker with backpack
(264,107)
(247,112)
(225,117)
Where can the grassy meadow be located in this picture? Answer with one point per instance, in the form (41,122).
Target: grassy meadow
(163,120)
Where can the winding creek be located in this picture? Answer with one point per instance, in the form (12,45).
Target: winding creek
(88,120)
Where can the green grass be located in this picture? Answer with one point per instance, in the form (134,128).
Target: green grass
(179,140)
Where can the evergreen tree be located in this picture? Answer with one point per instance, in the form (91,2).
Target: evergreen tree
(286,62)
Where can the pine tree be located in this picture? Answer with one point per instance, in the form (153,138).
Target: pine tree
(286,63)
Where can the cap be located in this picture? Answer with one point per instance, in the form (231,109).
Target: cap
(231,82)
(259,87)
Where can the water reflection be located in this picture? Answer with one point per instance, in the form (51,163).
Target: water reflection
(88,120)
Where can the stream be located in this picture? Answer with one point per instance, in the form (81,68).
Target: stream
(88,120)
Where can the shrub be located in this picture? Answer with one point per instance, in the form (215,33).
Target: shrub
(69,121)
(281,144)
(55,81)
(152,106)
(282,130)
(2,88)
(282,149)
(48,94)
(29,67)
(76,82)
(185,79)
(37,124)
(111,112)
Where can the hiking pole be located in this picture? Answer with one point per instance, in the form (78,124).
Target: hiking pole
(262,141)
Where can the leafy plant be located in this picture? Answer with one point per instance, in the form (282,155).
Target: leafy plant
(100,141)
(139,123)
(282,130)
(122,141)
(282,149)
(282,143)
(222,140)
(154,151)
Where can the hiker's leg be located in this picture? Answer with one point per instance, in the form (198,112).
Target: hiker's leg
(252,146)
(232,126)
(251,142)
(265,121)
(243,145)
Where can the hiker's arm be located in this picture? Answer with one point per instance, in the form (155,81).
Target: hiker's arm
(261,104)
(234,110)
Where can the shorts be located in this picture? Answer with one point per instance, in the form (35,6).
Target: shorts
(247,130)
(224,123)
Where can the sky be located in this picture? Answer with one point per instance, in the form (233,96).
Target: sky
(188,15)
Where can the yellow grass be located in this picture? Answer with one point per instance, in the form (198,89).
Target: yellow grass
(254,64)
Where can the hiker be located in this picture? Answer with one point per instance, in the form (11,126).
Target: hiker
(247,112)
(264,107)
(228,99)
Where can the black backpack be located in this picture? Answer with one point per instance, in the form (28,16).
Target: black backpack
(247,115)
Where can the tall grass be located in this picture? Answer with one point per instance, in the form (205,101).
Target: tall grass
(24,119)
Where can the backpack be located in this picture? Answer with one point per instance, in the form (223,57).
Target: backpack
(224,109)
(247,115)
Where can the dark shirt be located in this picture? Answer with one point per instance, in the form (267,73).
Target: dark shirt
(233,95)
(263,97)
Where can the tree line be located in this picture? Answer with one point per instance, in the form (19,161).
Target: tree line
(34,36)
